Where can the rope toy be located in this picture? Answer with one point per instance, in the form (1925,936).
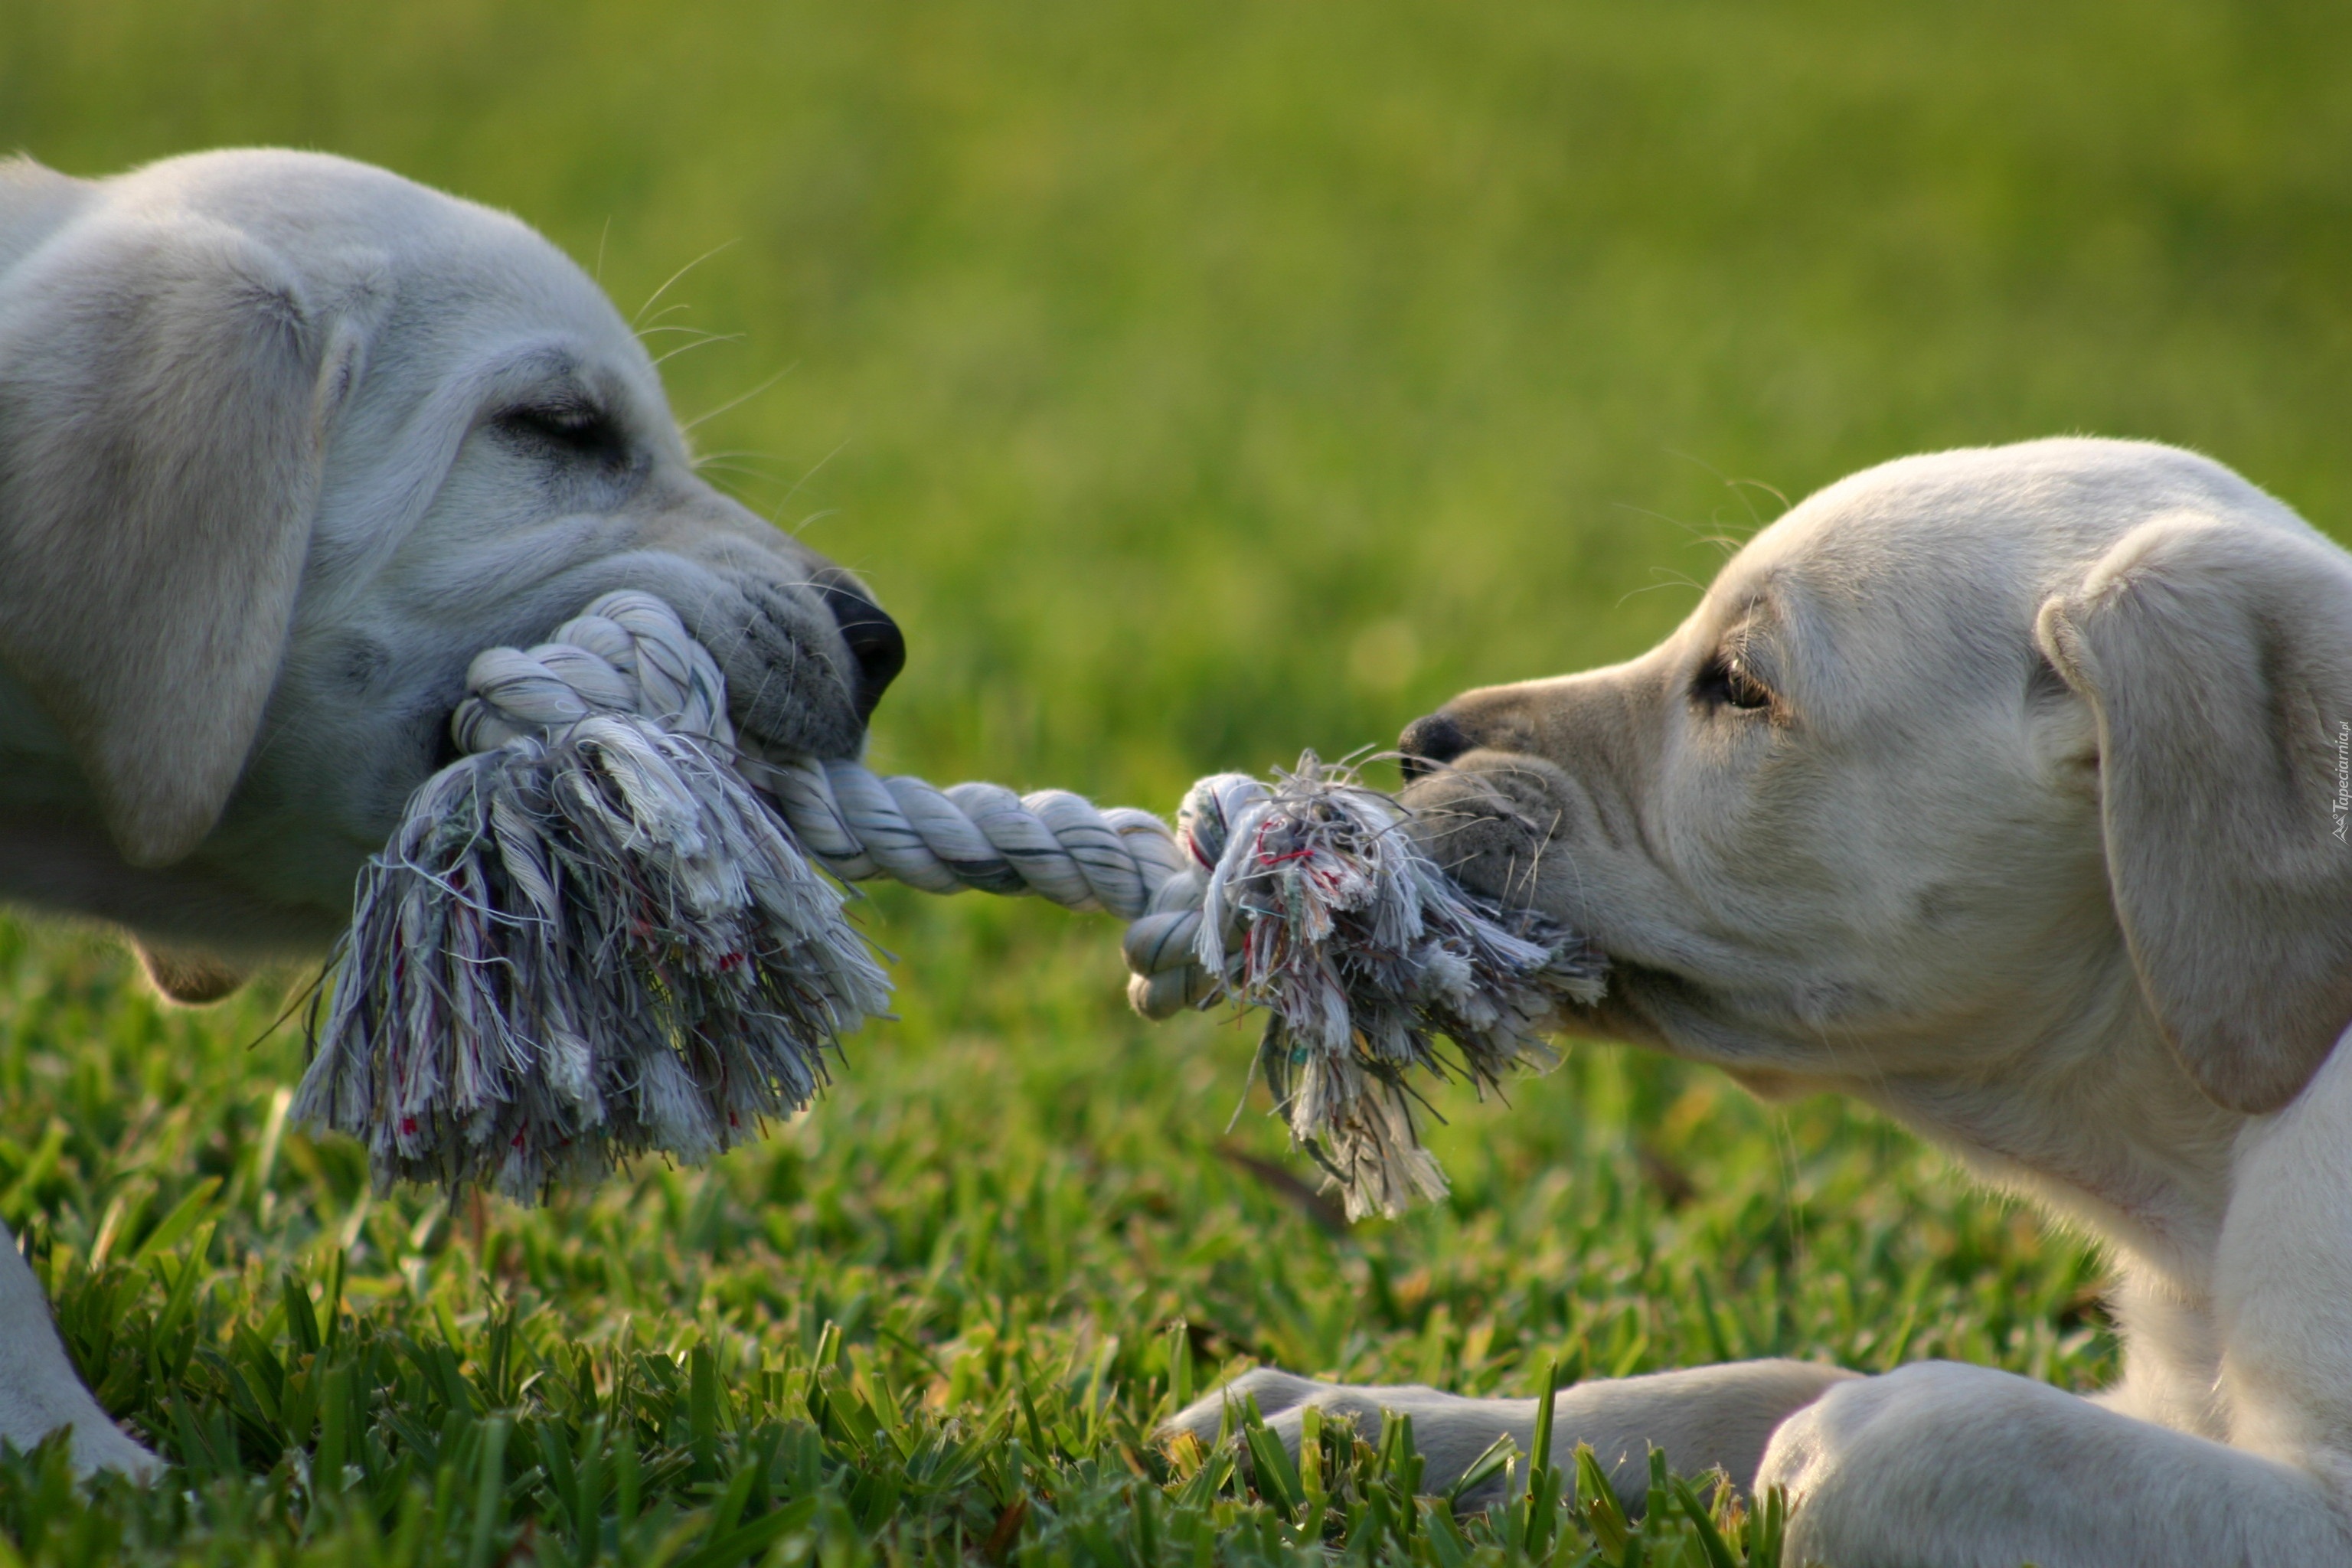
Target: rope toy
(603,931)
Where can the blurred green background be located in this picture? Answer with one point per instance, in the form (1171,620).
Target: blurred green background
(1197,384)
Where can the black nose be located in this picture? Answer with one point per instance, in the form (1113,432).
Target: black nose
(1430,742)
(873,639)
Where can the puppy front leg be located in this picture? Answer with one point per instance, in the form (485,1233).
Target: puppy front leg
(1939,1464)
(39,1389)
(1702,1418)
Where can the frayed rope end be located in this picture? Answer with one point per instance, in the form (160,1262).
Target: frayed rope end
(577,949)
(1321,907)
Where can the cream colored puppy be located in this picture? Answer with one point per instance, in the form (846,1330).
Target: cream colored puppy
(285,441)
(2006,790)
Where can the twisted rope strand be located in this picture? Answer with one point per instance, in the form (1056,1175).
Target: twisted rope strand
(630,654)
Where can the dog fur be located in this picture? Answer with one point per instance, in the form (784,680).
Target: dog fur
(2005,790)
(285,441)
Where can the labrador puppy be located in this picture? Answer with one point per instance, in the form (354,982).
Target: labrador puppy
(284,442)
(2007,791)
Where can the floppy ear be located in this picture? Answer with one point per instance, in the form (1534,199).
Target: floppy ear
(165,389)
(2217,660)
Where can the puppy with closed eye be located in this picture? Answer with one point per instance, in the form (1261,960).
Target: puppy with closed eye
(2007,791)
(284,442)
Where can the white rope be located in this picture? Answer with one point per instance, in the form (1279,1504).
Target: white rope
(1308,898)
(631,654)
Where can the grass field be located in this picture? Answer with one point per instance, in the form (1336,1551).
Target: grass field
(1196,385)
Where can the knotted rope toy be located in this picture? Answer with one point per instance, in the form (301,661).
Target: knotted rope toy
(603,931)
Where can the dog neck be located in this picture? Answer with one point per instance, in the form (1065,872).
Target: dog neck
(2094,1119)
(2100,1127)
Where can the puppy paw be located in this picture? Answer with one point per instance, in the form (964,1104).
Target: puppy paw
(1278,1394)
(1937,1463)
(102,1446)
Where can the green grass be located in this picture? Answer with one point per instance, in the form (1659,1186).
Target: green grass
(1196,385)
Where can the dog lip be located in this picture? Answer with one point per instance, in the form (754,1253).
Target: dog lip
(1622,1011)
(794,681)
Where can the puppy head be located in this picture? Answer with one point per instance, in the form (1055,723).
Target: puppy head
(284,442)
(1960,752)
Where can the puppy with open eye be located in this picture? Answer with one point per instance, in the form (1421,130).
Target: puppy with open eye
(284,442)
(2003,789)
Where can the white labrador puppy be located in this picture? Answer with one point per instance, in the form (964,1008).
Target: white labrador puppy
(285,441)
(2008,791)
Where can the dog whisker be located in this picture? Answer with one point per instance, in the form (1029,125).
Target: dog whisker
(736,402)
(673,278)
(703,342)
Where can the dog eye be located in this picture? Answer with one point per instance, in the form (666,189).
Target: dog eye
(1724,682)
(576,429)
